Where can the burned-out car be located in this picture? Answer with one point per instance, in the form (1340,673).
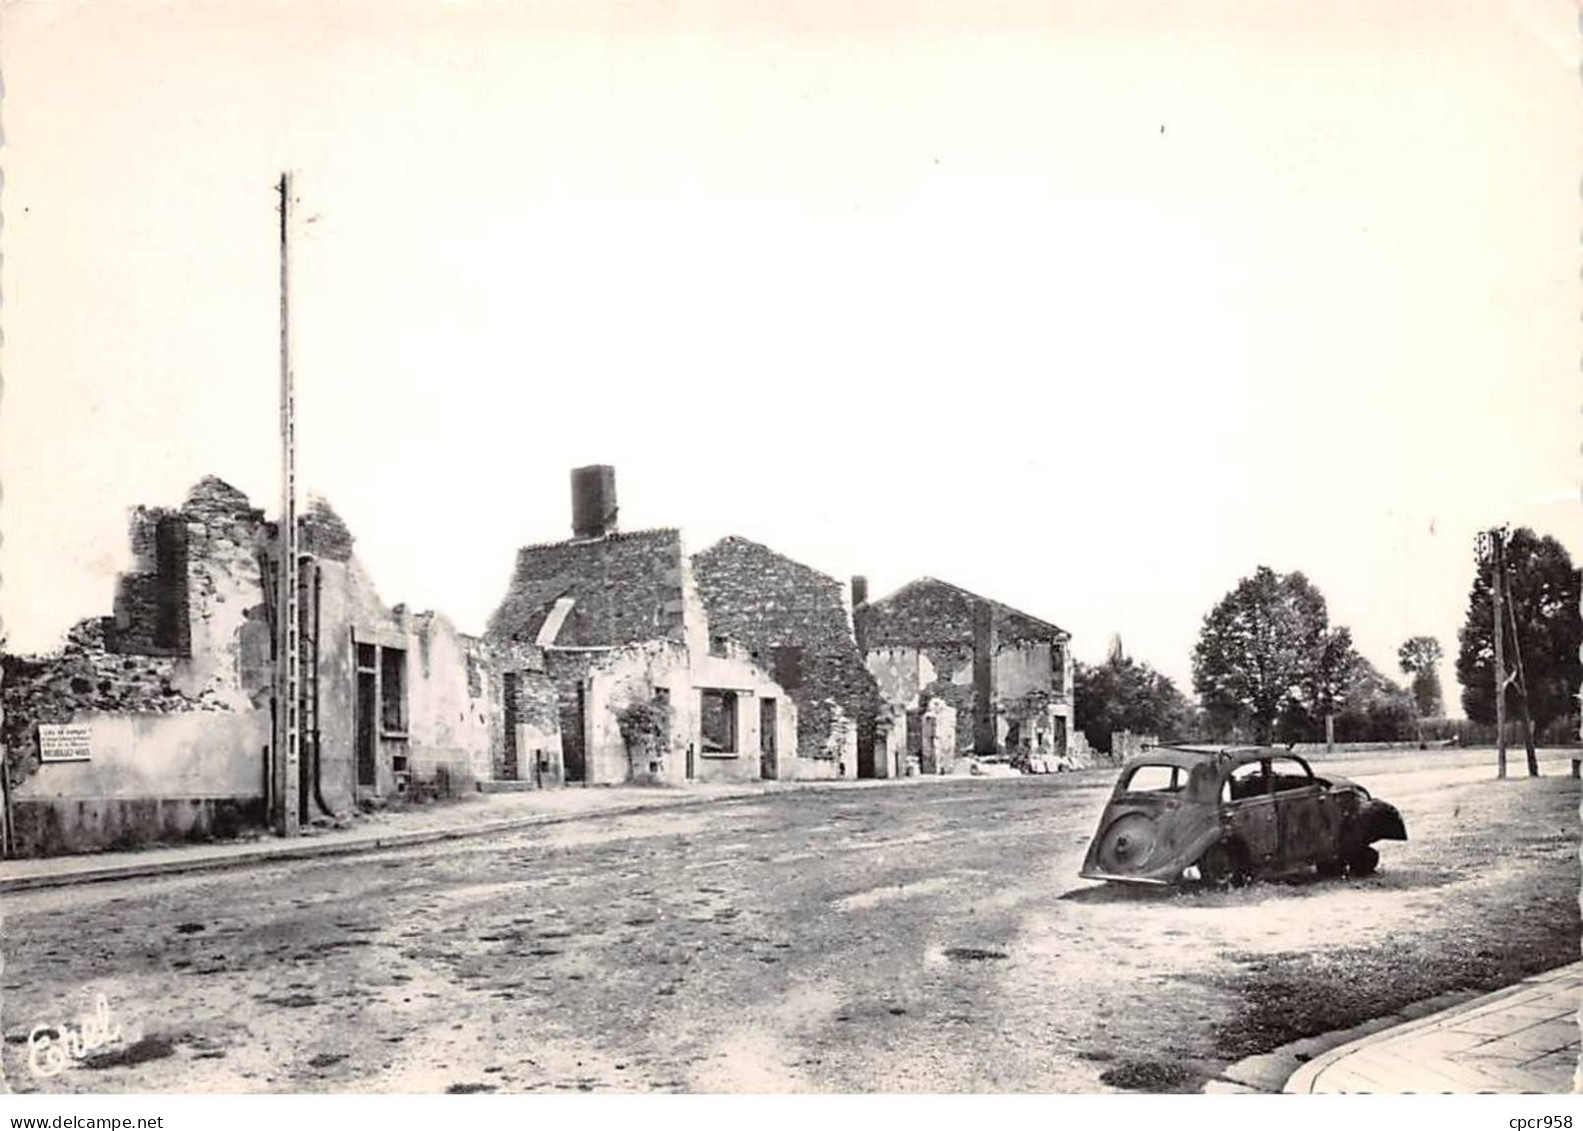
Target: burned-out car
(1222,816)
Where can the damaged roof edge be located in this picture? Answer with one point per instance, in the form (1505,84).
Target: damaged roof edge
(740,540)
(615,536)
(998,606)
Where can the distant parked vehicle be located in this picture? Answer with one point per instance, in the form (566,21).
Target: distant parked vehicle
(1180,815)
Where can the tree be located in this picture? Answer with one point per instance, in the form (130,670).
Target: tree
(1265,655)
(1374,708)
(1121,694)
(1419,657)
(1333,675)
(1544,591)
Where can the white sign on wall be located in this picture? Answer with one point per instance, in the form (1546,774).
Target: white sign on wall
(58,742)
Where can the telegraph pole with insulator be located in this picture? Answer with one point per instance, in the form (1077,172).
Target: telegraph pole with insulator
(1518,675)
(1490,549)
(288,734)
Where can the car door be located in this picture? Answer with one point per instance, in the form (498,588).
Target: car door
(1305,814)
(1250,805)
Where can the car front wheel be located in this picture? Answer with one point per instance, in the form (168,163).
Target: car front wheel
(1363,861)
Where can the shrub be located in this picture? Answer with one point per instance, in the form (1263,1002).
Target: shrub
(644,723)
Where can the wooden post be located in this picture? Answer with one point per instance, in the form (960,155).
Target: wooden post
(1498,624)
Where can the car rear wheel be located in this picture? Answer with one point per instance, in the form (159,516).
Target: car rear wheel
(1332,867)
(1364,861)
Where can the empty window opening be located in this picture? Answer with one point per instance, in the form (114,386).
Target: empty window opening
(1251,780)
(718,721)
(1156,779)
(392,690)
(1288,774)
(170,584)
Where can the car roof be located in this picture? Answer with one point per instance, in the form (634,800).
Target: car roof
(1190,756)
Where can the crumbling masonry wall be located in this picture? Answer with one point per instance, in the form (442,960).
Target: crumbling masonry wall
(176,687)
(170,687)
(921,644)
(793,620)
(624,589)
(453,732)
(529,747)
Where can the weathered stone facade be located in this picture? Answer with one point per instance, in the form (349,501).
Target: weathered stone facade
(173,688)
(1124,744)
(530,747)
(620,621)
(1007,675)
(618,589)
(794,620)
(176,689)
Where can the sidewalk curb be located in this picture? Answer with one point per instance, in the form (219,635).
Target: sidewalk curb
(310,849)
(1272,1072)
(1302,1081)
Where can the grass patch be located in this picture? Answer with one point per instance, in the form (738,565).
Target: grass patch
(1151,1076)
(1290,995)
(138,1052)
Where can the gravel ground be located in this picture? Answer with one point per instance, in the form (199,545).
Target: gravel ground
(922,937)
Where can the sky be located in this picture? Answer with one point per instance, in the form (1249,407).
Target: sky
(1093,308)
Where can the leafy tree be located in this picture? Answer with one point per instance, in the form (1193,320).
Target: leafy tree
(1266,655)
(1334,671)
(1544,604)
(1374,708)
(1419,657)
(1121,694)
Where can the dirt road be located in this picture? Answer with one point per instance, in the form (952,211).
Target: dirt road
(918,937)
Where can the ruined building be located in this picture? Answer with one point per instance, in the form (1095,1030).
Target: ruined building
(156,722)
(960,673)
(614,658)
(795,619)
(646,691)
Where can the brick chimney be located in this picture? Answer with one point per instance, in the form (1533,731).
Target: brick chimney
(985,736)
(859,608)
(593,501)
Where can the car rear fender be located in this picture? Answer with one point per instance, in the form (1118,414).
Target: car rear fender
(1217,833)
(1187,829)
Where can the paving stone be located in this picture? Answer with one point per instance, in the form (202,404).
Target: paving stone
(1526,1041)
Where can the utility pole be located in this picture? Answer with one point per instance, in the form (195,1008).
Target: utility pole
(1522,676)
(1498,623)
(288,734)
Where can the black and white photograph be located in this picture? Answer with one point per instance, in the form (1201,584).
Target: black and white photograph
(971,547)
